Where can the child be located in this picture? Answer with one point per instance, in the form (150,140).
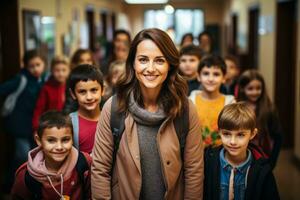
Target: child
(252,89)
(231,77)
(187,39)
(190,57)
(55,169)
(209,102)
(115,72)
(86,88)
(52,95)
(18,124)
(237,169)
(81,56)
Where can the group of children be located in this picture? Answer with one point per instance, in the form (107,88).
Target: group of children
(242,140)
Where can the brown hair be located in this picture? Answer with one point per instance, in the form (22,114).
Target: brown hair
(76,57)
(31,54)
(59,60)
(192,50)
(237,116)
(264,106)
(174,87)
(52,119)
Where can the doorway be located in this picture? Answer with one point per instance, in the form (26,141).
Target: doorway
(286,67)
(253,37)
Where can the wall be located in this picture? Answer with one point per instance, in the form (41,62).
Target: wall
(266,46)
(63,10)
(297,92)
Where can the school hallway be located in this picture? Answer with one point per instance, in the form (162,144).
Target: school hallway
(287,176)
(261,35)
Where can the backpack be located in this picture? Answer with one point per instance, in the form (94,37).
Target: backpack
(11,100)
(35,187)
(117,124)
(75,124)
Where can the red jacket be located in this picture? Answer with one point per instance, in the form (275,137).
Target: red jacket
(52,96)
(72,187)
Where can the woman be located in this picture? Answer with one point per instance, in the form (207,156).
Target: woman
(148,163)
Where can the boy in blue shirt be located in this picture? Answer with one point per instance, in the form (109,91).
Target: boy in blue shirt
(236,169)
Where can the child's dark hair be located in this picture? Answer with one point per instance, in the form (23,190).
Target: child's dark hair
(122,31)
(84,73)
(234,59)
(212,60)
(186,36)
(30,54)
(52,119)
(237,116)
(191,50)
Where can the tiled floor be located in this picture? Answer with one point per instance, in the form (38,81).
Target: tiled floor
(287,176)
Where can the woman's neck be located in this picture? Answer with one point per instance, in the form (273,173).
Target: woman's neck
(211,95)
(92,115)
(150,97)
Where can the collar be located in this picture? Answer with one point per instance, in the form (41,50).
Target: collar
(242,168)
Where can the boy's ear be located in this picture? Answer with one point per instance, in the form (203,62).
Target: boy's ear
(253,133)
(37,139)
(72,94)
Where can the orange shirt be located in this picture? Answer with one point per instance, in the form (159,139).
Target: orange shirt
(208,111)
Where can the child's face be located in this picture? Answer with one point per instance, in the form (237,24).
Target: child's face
(88,95)
(117,72)
(232,70)
(189,65)
(36,67)
(86,58)
(211,79)
(253,90)
(236,142)
(61,72)
(56,144)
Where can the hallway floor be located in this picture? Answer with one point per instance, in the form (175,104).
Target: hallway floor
(287,176)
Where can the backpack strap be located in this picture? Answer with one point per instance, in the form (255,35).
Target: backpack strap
(117,126)
(11,100)
(33,186)
(181,124)
(81,166)
(75,123)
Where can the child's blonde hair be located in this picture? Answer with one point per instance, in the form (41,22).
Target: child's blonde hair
(237,116)
(59,60)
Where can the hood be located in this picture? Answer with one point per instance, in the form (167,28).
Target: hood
(257,152)
(38,170)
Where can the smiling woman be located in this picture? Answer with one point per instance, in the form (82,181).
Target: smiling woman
(148,162)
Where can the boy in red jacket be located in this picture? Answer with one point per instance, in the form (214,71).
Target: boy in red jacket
(55,169)
(52,95)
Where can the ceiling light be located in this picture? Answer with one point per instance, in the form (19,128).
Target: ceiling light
(146,1)
(169,9)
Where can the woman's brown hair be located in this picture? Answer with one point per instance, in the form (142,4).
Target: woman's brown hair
(173,92)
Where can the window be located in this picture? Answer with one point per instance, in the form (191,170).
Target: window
(182,20)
